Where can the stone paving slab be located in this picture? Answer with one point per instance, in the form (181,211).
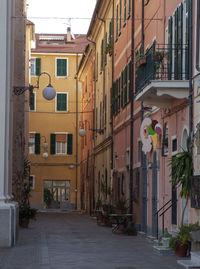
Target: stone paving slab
(75,241)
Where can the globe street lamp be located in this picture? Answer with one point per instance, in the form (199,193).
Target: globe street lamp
(48,93)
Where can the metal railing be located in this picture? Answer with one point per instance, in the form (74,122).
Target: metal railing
(170,203)
(162,62)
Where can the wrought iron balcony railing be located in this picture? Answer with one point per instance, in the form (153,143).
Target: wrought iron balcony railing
(161,62)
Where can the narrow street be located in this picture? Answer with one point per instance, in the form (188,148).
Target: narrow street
(74,241)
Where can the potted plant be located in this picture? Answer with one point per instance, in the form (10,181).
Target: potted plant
(120,206)
(159,55)
(25,214)
(181,242)
(140,60)
(130,230)
(108,49)
(25,211)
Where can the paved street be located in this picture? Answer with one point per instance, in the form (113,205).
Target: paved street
(74,241)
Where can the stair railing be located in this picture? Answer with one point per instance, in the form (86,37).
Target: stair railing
(163,214)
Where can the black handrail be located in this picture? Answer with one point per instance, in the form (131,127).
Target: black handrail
(163,214)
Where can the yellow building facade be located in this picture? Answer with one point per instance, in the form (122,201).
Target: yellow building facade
(54,144)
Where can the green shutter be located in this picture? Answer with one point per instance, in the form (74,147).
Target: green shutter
(61,101)
(110,33)
(129,81)
(170,36)
(119,91)
(69,143)
(120,16)
(37,143)
(129,8)
(117,22)
(101,54)
(113,98)
(180,40)
(38,66)
(61,67)
(176,44)
(32,100)
(122,90)
(106,43)
(187,41)
(125,5)
(53,143)
(125,85)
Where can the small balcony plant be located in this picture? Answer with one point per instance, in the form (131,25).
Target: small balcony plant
(108,49)
(120,206)
(159,55)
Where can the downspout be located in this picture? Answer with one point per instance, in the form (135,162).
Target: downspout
(76,186)
(111,94)
(190,74)
(132,105)
(142,33)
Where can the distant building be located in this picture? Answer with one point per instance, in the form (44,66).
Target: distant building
(54,144)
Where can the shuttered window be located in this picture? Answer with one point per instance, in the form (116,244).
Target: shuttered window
(122,91)
(35,66)
(102,54)
(129,8)
(125,86)
(34,143)
(117,22)
(165,140)
(129,81)
(120,16)
(61,144)
(125,11)
(61,102)
(37,143)
(61,67)
(170,39)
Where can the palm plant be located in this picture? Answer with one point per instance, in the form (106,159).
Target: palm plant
(182,172)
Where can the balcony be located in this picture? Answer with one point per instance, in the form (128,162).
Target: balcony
(163,77)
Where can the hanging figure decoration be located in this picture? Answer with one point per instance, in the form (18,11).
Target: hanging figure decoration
(149,131)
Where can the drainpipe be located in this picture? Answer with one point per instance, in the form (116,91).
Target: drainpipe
(132,105)
(190,74)
(111,94)
(76,188)
(142,32)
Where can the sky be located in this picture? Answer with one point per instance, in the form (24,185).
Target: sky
(80,12)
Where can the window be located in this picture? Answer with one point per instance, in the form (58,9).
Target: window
(61,144)
(61,102)
(120,16)
(123,185)
(174,146)
(178,38)
(34,143)
(32,182)
(32,101)
(129,8)
(125,11)
(35,66)
(139,151)
(61,67)
(117,22)
(102,53)
(165,140)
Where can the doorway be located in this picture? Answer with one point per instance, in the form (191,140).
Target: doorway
(57,194)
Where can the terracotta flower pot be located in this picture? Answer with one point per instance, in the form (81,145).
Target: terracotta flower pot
(24,223)
(181,250)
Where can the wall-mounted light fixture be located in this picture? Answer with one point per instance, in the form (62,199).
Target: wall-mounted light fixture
(45,147)
(82,130)
(48,93)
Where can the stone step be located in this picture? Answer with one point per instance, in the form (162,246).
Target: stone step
(189,264)
(163,250)
(195,257)
(142,234)
(151,238)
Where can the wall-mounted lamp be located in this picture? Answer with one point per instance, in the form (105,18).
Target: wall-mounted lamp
(82,131)
(45,147)
(48,93)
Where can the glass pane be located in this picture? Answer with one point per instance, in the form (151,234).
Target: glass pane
(47,184)
(59,183)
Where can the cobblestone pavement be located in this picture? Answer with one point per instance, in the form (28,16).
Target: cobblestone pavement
(74,241)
